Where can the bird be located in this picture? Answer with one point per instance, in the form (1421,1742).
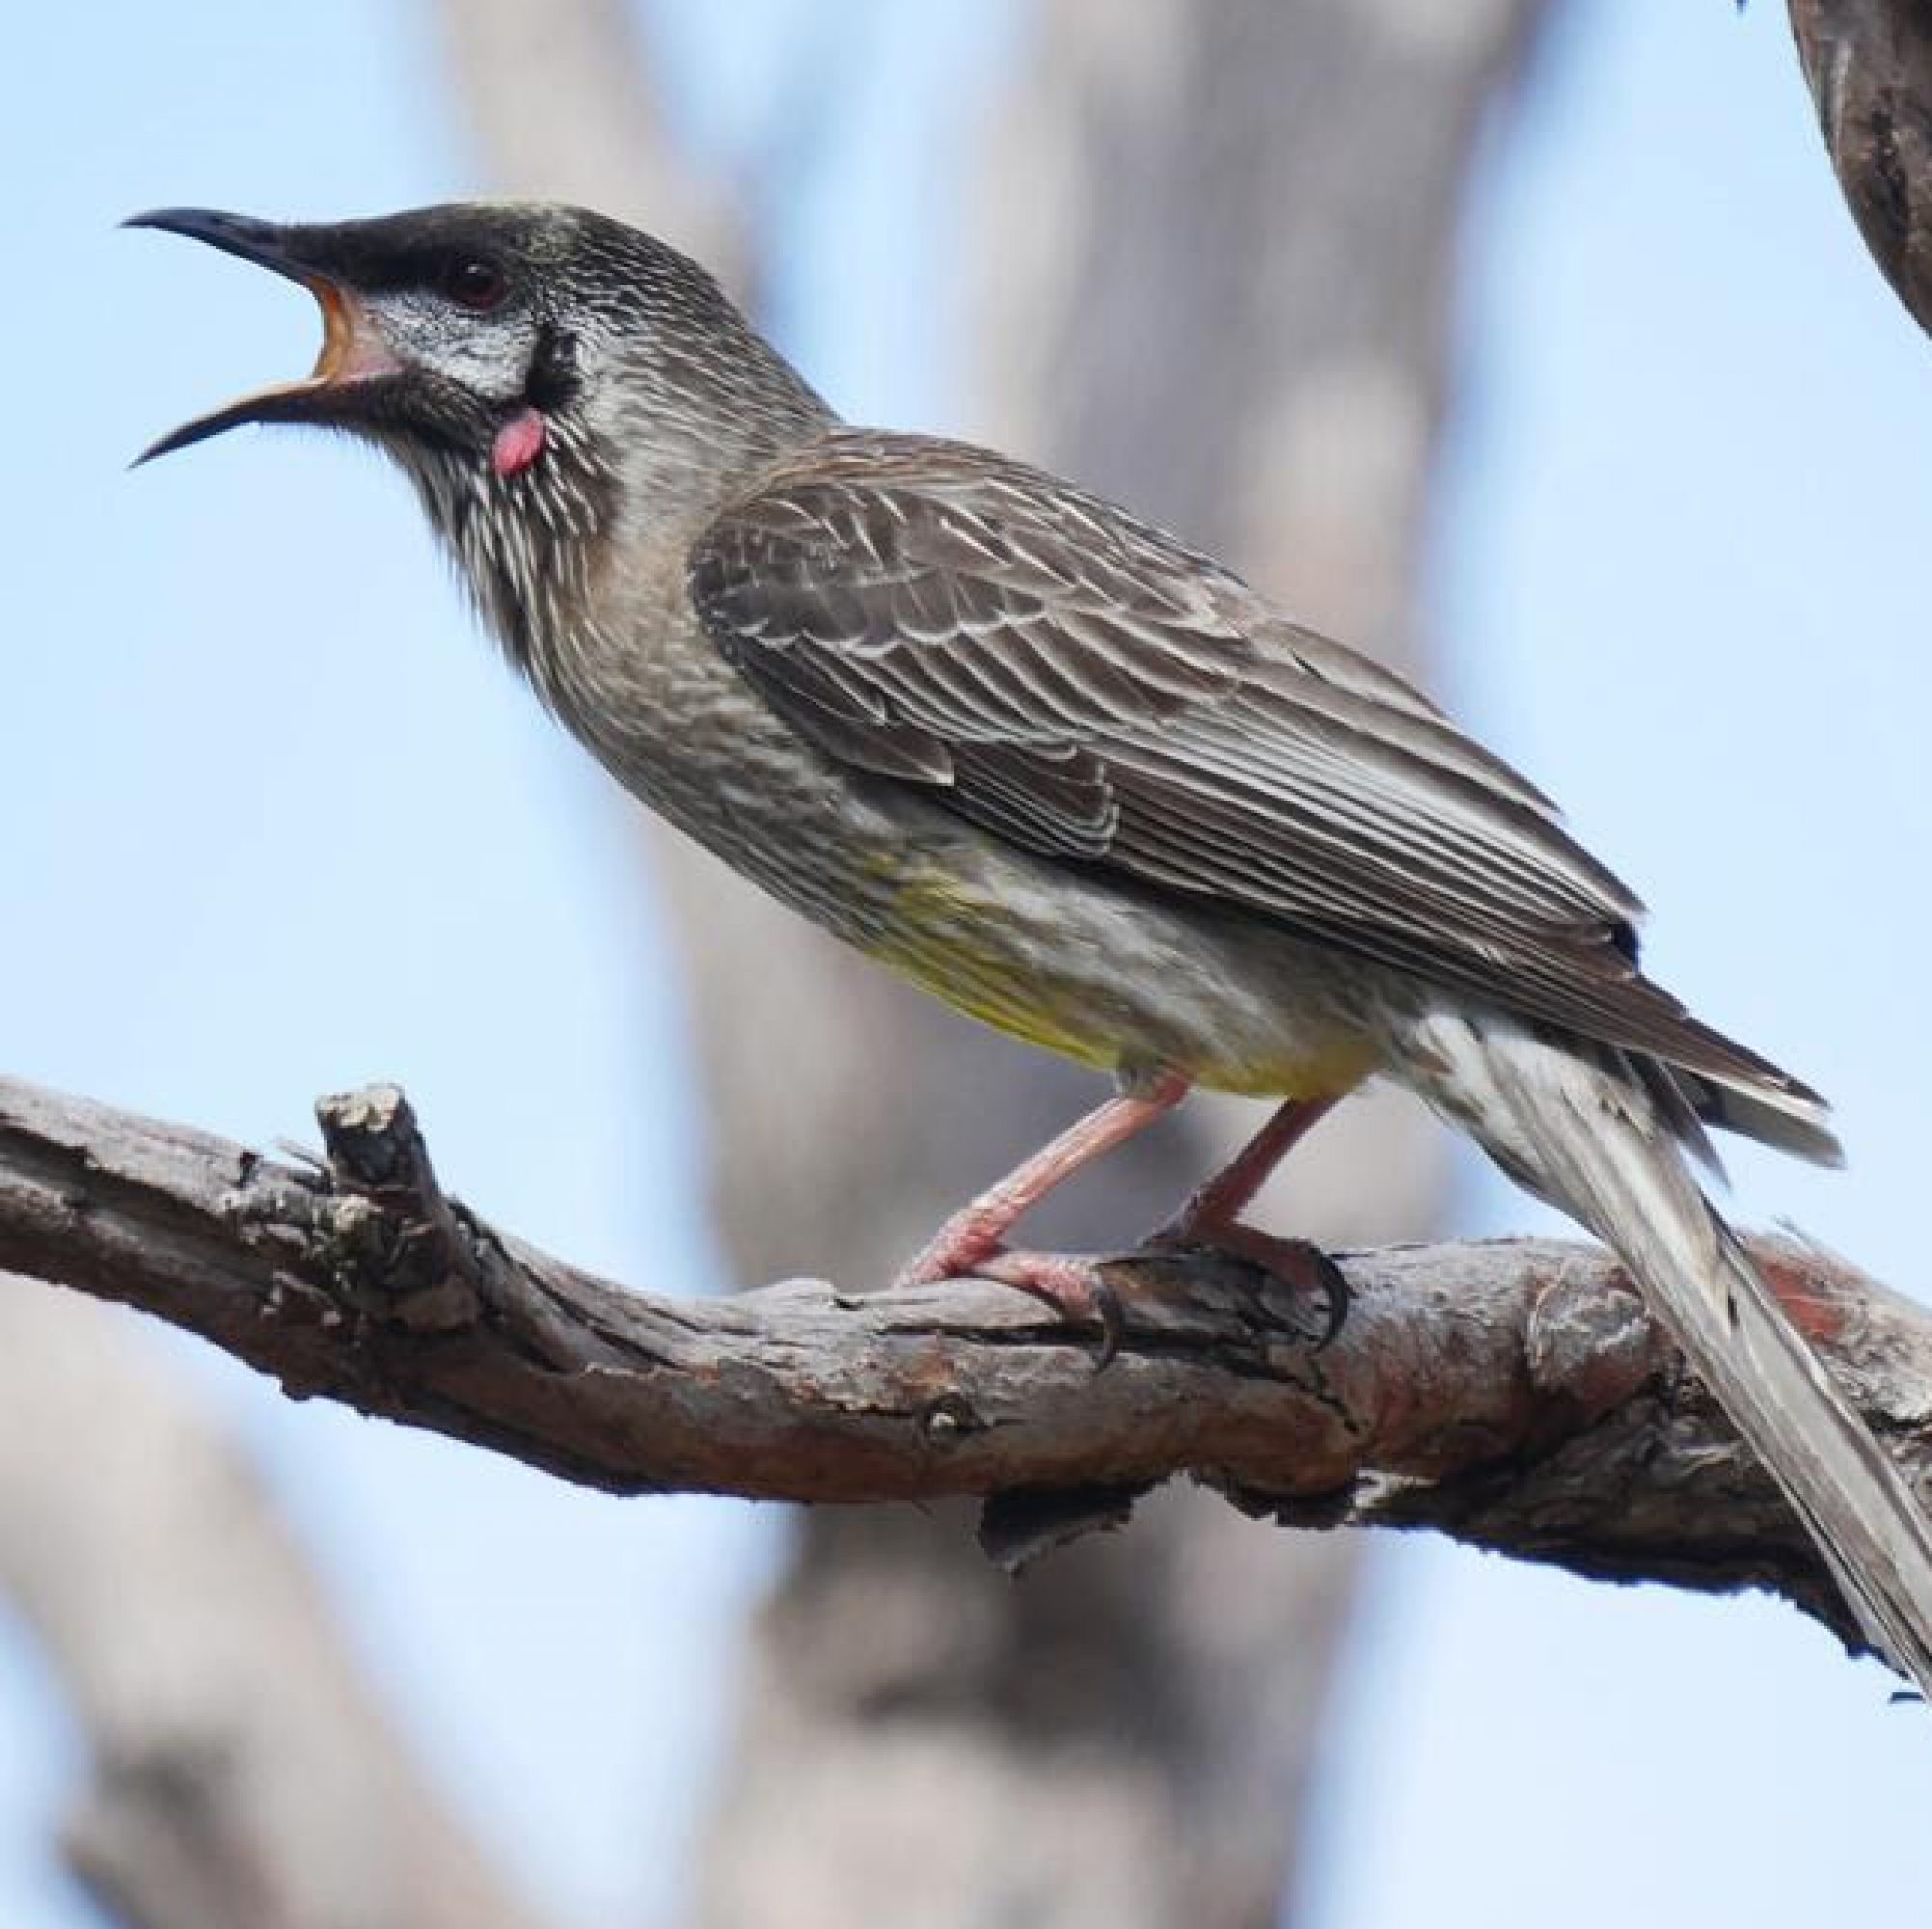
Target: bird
(1067,774)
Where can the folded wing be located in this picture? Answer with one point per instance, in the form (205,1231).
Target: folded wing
(1086,687)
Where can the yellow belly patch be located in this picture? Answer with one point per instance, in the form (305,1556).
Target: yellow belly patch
(1324,1075)
(950,941)
(979,984)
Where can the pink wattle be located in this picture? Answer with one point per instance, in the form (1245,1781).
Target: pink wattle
(518,444)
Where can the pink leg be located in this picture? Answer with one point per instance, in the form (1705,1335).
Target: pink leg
(1211,1215)
(1215,1207)
(976,1233)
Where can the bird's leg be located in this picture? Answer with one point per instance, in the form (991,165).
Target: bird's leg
(1079,1288)
(1212,1215)
(975,1235)
(1216,1204)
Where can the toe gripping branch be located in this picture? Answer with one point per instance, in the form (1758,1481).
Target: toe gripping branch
(1254,1273)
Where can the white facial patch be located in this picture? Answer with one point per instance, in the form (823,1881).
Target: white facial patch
(487,354)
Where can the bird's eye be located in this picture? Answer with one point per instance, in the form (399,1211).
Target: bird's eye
(471,282)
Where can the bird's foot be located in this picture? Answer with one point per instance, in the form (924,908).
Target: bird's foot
(1073,1285)
(1094,1291)
(1076,1287)
(1299,1264)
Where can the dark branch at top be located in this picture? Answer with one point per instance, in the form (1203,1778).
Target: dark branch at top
(1869,65)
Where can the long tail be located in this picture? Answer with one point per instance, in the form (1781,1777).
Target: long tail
(1582,1126)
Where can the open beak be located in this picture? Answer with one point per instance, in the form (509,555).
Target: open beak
(353,351)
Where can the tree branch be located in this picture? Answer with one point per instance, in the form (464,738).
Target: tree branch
(1869,63)
(1512,1394)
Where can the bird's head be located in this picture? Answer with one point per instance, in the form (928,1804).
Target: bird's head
(480,341)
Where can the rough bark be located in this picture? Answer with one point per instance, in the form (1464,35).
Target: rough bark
(243,1774)
(1869,66)
(1513,1394)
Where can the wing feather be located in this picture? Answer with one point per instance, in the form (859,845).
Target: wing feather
(1092,690)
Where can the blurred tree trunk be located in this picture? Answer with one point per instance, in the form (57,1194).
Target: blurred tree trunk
(1215,275)
(243,1771)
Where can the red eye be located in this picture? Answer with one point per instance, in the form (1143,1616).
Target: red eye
(473,282)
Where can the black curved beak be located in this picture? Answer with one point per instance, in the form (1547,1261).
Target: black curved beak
(353,351)
(268,244)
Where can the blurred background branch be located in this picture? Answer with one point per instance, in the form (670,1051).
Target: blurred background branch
(244,1774)
(1210,276)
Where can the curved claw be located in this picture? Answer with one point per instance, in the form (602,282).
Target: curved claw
(1299,1264)
(1337,1295)
(1074,1287)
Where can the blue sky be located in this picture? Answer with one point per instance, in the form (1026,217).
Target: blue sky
(1675,575)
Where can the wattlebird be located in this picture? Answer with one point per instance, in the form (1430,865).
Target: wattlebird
(1067,774)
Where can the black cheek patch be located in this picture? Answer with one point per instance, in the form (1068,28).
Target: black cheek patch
(554,379)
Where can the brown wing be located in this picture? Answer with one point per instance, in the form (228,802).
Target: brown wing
(1086,687)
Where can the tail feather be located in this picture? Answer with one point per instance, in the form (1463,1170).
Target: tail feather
(1791,1121)
(1589,1129)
